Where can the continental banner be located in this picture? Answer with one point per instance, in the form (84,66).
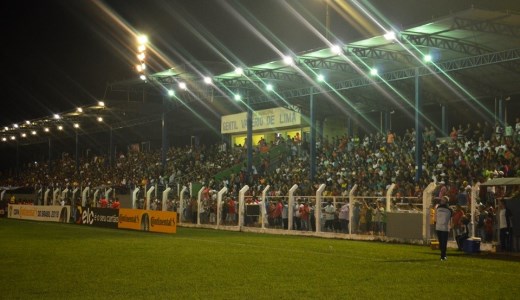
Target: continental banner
(148,220)
(99,217)
(53,213)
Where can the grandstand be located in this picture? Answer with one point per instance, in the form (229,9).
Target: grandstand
(362,137)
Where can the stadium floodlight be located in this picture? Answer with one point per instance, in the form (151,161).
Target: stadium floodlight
(60,127)
(141,48)
(237,97)
(288,60)
(374,71)
(24,135)
(28,122)
(4,139)
(208,80)
(13,137)
(183,86)
(269,87)
(171,93)
(141,56)
(6,128)
(80,110)
(142,77)
(320,78)
(56,116)
(76,125)
(33,132)
(46,129)
(101,103)
(100,119)
(390,35)
(142,39)
(427,58)
(15,125)
(239,71)
(139,68)
(336,49)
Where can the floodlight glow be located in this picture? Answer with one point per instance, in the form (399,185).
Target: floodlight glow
(13,137)
(15,125)
(6,128)
(24,135)
(208,80)
(46,129)
(183,86)
(4,139)
(320,78)
(427,58)
(373,72)
(171,93)
(28,122)
(389,35)
(139,68)
(142,39)
(101,103)
(336,49)
(33,132)
(141,48)
(99,119)
(80,110)
(269,87)
(288,60)
(56,116)
(238,97)
(142,77)
(76,125)
(141,56)
(60,127)
(239,71)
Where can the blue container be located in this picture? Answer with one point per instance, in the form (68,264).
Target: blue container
(471,246)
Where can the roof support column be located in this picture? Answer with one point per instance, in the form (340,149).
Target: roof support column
(164,138)
(312,142)
(249,142)
(501,112)
(418,128)
(444,121)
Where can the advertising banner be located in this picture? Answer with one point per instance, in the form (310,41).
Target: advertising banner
(262,119)
(148,220)
(99,217)
(53,213)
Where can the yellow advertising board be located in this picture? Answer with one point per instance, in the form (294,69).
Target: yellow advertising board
(262,119)
(148,220)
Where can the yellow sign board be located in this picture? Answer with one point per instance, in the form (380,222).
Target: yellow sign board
(262,119)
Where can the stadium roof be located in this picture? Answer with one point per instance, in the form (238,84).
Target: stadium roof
(474,54)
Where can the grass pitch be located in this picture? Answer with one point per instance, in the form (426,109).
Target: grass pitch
(65,261)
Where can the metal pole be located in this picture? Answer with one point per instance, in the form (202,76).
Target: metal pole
(313,137)
(111,152)
(50,154)
(164,140)
(249,143)
(444,121)
(327,20)
(418,128)
(77,152)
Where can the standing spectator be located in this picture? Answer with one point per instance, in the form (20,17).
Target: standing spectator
(456,221)
(304,216)
(116,203)
(330,212)
(517,130)
(504,221)
(442,225)
(344,217)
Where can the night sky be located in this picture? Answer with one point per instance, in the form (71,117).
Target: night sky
(60,54)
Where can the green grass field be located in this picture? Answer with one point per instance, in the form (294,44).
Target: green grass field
(65,261)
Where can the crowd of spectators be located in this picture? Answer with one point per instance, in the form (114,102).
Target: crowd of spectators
(469,154)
